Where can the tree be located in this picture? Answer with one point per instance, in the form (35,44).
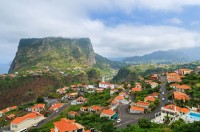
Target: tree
(40,99)
(144,123)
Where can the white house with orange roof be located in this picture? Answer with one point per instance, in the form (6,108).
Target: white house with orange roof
(172,111)
(79,100)
(181,96)
(173,77)
(26,121)
(153,84)
(71,95)
(182,88)
(56,106)
(142,104)
(109,113)
(104,84)
(94,108)
(123,94)
(149,99)
(136,109)
(184,71)
(66,125)
(38,107)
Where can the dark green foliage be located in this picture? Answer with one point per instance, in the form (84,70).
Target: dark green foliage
(144,123)
(40,99)
(190,127)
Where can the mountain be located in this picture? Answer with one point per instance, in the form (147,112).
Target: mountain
(61,54)
(171,56)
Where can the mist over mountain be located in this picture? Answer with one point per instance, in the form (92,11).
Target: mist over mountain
(171,56)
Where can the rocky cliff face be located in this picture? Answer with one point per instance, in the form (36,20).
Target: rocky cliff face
(62,53)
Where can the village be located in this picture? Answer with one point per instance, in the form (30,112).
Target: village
(163,98)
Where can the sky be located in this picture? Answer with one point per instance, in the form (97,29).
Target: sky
(117,28)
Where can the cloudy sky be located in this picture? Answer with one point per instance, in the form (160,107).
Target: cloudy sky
(117,28)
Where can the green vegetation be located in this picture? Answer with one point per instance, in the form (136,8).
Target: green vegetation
(102,99)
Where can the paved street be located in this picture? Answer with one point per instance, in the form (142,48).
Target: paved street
(128,118)
(53,115)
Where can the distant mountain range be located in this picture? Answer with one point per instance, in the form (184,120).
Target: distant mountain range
(171,56)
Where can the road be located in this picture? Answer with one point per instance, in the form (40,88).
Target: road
(53,115)
(128,118)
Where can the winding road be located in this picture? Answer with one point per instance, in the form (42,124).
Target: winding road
(128,118)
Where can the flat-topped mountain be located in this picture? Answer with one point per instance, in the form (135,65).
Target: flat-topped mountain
(57,53)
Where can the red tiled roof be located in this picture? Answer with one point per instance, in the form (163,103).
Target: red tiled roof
(183,86)
(108,112)
(143,103)
(72,112)
(135,108)
(119,98)
(181,96)
(56,106)
(65,125)
(136,89)
(95,107)
(25,117)
(149,98)
(174,107)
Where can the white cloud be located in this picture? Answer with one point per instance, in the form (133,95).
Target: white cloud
(175,21)
(36,18)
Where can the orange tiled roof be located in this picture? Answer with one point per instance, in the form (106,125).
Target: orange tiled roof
(13,107)
(183,86)
(136,89)
(95,107)
(84,108)
(108,112)
(181,96)
(40,105)
(175,84)
(72,112)
(87,131)
(154,94)
(56,106)
(143,103)
(4,111)
(107,83)
(149,98)
(25,117)
(11,116)
(137,108)
(151,83)
(65,125)
(174,107)
(119,98)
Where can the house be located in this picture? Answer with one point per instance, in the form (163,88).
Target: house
(148,81)
(9,117)
(154,76)
(184,71)
(136,89)
(71,95)
(149,99)
(173,111)
(109,113)
(99,90)
(72,85)
(61,91)
(173,77)
(38,107)
(123,94)
(94,108)
(3,112)
(174,85)
(12,108)
(66,125)
(81,100)
(106,85)
(56,106)
(182,88)
(135,109)
(84,109)
(181,96)
(153,84)
(142,104)
(26,121)
(72,114)
(154,94)
(114,104)
(121,99)
(138,85)
(112,91)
